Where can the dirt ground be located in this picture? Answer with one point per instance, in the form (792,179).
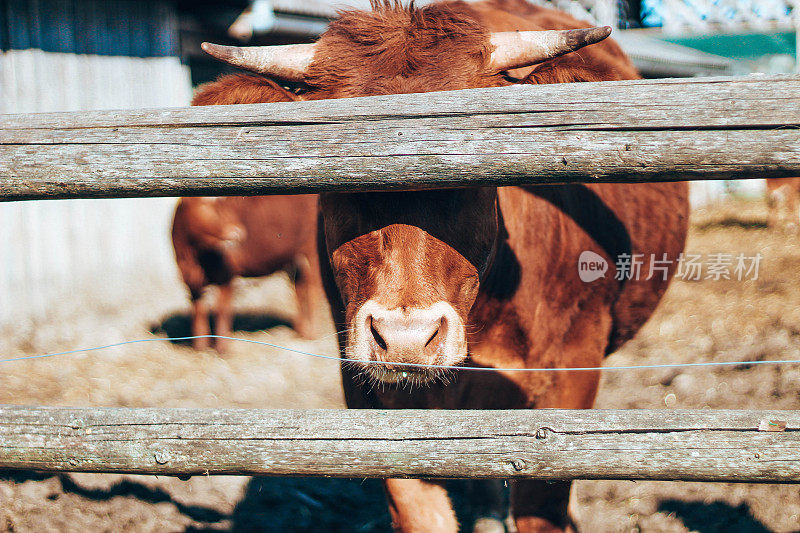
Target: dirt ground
(698,321)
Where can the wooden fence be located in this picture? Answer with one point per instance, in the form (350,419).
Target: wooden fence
(702,445)
(628,131)
(624,131)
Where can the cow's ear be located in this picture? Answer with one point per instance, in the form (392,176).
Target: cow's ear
(573,68)
(241,89)
(564,69)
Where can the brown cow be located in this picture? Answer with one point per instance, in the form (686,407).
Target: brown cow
(485,276)
(782,202)
(218,239)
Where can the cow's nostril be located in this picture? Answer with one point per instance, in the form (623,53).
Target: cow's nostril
(377,336)
(435,333)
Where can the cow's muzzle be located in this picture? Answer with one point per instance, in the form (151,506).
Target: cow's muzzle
(430,337)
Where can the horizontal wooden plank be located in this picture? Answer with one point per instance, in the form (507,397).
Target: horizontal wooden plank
(543,444)
(629,131)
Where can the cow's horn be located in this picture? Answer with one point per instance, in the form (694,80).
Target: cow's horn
(515,49)
(286,62)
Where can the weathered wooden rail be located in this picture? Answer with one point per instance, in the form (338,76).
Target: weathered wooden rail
(543,444)
(628,131)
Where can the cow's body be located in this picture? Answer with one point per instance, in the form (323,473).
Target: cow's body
(782,201)
(218,239)
(533,311)
(485,277)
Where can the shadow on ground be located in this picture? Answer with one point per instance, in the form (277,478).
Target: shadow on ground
(292,504)
(714,517)
(180,325)
(346,505)
(124,488)
(311,504)
(353,505)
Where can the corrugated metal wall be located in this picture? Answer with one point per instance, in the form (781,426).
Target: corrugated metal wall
(72,55)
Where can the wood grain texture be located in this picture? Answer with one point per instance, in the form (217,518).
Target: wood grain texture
(544,444)
(629,131)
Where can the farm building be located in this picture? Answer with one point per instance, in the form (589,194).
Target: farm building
(82,55)
(79,55)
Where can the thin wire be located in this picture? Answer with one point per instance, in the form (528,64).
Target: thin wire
(413,365)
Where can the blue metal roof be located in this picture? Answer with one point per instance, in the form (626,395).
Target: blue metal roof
(102,27)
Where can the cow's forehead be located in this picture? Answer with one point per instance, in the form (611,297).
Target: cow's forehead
(396,49)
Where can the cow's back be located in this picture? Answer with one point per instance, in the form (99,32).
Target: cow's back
(278,229)
(251,236)
(773,184)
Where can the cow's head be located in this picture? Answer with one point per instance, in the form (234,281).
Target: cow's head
(408,265)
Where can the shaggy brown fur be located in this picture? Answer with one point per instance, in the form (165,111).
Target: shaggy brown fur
(505,260)
(241,89)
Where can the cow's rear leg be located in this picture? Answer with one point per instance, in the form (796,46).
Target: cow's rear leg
(200,325)
(310,294)
(223,320)
(540,506)
(420,505)
(772,209)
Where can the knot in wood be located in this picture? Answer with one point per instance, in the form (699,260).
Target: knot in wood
(161,458)
(541,433)
(519,465)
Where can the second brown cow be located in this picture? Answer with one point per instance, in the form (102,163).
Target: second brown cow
(218,239)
